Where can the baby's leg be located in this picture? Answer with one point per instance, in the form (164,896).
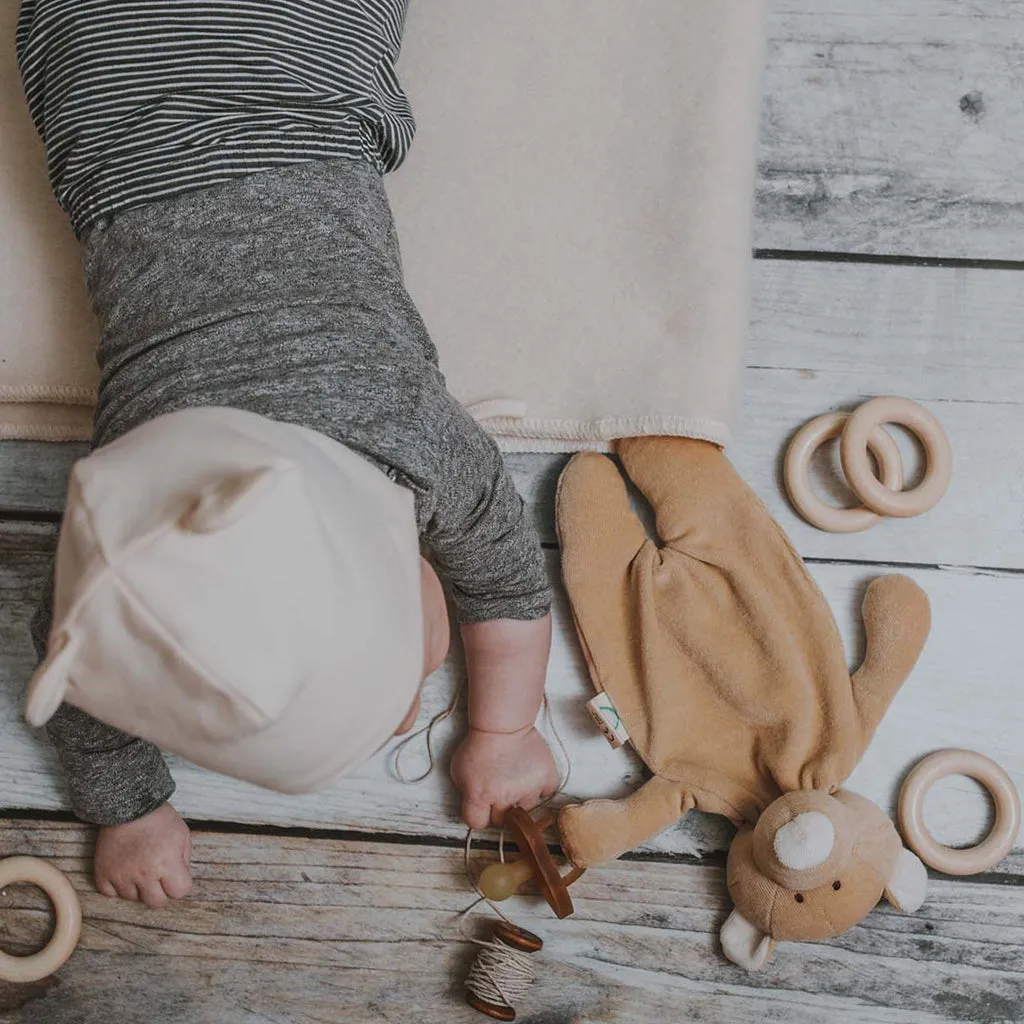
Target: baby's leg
(122,784)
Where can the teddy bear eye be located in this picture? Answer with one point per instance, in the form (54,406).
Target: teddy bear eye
(799,897)
(837,886)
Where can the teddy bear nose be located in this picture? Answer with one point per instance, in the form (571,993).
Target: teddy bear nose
(805,842)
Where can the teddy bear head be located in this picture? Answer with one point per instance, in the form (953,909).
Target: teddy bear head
(814,865)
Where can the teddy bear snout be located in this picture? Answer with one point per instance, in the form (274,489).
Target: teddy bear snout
(803,840)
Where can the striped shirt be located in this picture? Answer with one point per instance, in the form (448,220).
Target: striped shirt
(138,100)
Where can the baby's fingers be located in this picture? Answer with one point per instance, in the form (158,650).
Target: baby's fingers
(552,782)
(528,803)
(476,815)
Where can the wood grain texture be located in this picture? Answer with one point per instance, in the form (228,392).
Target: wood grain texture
(965,692)
(893,127)
(293,931)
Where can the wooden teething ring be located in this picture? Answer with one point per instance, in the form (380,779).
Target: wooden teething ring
(857,467)
(1004,794)
(535,864)
(68,910)
(807,441)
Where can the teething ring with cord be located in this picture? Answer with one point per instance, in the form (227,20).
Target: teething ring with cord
(1004,795)
(68,911)
(801,449)
(854,456)
(501,880)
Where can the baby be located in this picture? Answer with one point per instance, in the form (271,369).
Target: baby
(221,162)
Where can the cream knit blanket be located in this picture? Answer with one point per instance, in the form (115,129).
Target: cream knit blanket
(574,216)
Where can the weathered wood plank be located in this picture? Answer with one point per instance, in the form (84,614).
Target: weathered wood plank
(964,693)
(299,930)
(893,127)
(828,336)
(823,336)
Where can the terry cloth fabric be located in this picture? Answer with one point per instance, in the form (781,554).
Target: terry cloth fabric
(575,219)
(716,647)
(242,592)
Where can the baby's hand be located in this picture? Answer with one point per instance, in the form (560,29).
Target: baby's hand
(148,859)
(495,771)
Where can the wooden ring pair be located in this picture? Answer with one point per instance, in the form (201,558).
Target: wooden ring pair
(860,433)
(33,871)
(1004,795)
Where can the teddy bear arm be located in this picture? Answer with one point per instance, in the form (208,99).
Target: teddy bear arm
(897,618)
(601,830)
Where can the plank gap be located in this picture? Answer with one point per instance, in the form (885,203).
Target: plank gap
(210,827)
(17,515)
(886,259)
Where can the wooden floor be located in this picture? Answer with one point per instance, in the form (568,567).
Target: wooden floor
(890,218)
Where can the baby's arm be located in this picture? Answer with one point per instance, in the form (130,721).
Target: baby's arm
(503,761)
(490,558)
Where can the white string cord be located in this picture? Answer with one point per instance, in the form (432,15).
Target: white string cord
(403,745)
(500,974)
(442,716)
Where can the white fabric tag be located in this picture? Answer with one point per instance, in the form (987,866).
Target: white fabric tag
(602,710)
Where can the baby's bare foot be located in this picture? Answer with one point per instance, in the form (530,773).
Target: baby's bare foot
(148,859)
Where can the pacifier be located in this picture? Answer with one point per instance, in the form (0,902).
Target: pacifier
(503,879)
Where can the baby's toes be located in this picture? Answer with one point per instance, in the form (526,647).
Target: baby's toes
(105,887)
(152,894)
(177,885)
(127,890)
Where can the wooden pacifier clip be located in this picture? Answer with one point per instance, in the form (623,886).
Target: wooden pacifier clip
(33,871)
(860,433)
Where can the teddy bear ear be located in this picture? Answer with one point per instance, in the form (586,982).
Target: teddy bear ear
(907,884)
(745,944)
